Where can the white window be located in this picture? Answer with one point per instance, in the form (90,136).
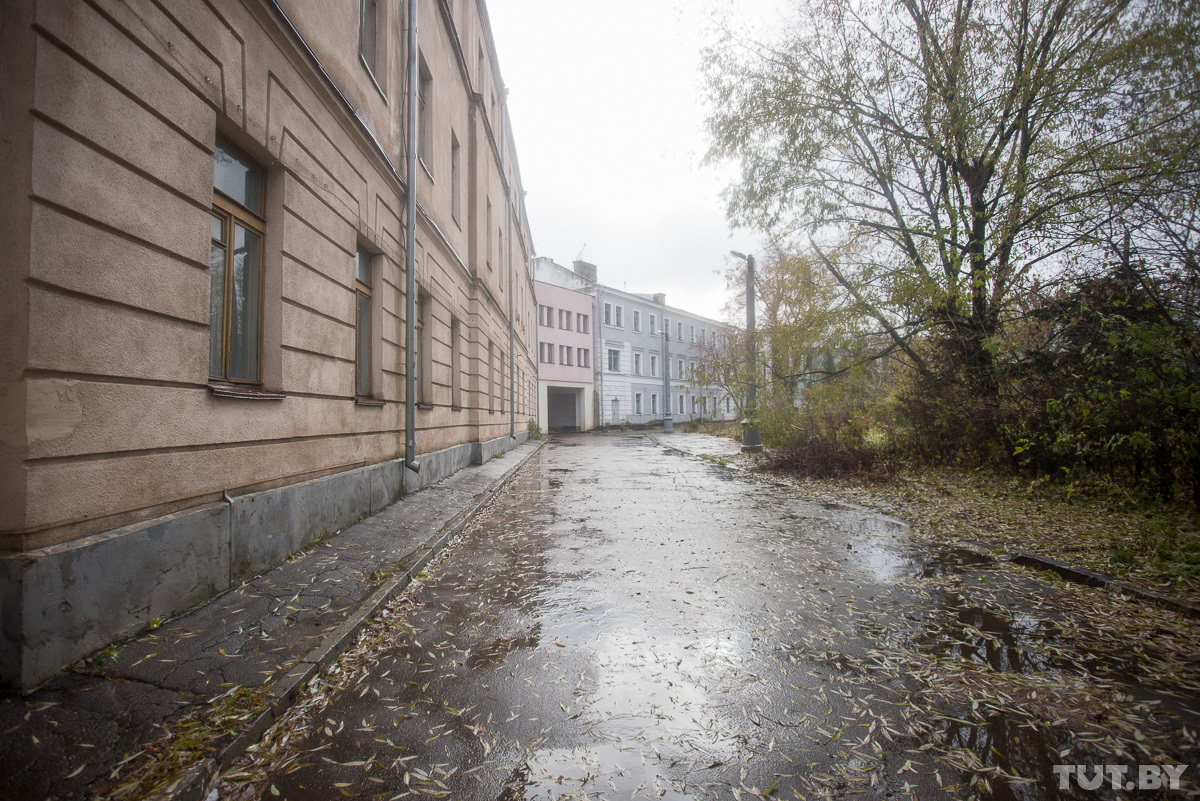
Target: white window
(545,315)
(637,320)
(614,360)
(582,320)
(608,317)
(653,323)
(691,333)
(564,319)
(680,374)
(547,352)
(637,403)
(653,364)
(585,357)
(653,403)
(679,335)
(564,354)
(637,364)
(618,311)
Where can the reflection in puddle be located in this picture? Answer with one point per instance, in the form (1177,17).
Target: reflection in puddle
(977,635)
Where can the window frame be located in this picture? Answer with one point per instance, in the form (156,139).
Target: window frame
(614,354)
(232,212)
(362,289)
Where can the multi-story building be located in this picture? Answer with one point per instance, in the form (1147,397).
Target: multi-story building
(638,342)
(221,221)
(566,316)
(640,338)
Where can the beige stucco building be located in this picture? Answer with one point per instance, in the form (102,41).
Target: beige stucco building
(203,301)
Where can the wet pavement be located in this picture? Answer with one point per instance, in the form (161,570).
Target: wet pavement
(629,621)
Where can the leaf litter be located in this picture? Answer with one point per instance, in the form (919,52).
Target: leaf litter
(816,681)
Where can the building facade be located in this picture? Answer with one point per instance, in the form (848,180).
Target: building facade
(566,343)
(205,298)
(638,342)
(642,339)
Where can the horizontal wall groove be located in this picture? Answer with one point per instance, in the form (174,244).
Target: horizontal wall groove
(78,216)
(130,167)
(78,58)
(97,300)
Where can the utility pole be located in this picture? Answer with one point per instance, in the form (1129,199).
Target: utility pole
(751,439)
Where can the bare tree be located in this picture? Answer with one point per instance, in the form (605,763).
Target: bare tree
(964,145)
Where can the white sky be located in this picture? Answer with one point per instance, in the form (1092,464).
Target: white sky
(607,109)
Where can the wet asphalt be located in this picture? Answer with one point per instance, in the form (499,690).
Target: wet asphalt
(629,621)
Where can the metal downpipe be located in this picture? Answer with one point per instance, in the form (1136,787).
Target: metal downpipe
(512,352)
(410,247)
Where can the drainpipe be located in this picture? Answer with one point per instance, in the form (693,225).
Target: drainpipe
(410,256)
(508,201)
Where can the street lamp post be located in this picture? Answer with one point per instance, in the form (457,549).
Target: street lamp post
(668,420)
(751,440)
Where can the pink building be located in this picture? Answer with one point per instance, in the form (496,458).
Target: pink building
(566,348)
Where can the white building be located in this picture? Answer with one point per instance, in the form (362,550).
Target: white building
(637,341)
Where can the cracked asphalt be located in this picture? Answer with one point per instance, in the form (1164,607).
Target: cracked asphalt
(629,621)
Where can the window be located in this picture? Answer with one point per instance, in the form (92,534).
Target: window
(424,111)
(727,408)
(488,228)
(617,312)
(585,357)
(691,333)
(489,374)
(367,34)
(653,324)
(582,320)
(608,315)
(637,320)
(637,403)
(455,178)
(564,319)
(653,364)
(457,365)
(680,374)
(546,353)
(680,405)
(653,403)
(637,364)
(423,377)
(614,360)
(679,335)
(701,334)
(235,267)
(362,324)
(545,316)
(564,354)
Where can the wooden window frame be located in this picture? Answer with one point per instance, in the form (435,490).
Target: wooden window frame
(361,290)
(230,212)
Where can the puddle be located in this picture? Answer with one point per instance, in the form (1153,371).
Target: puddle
(889,561)
(558,774)
(561,470)
(555,483)
(673,452)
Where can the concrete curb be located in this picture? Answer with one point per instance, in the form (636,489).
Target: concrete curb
(196,781)
(1081,575)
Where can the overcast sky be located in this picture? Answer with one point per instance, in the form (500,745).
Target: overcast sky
(607,108)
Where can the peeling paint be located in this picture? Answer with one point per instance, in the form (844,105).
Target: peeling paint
(54,409)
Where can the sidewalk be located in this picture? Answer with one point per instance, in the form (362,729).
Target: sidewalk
(259,642)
